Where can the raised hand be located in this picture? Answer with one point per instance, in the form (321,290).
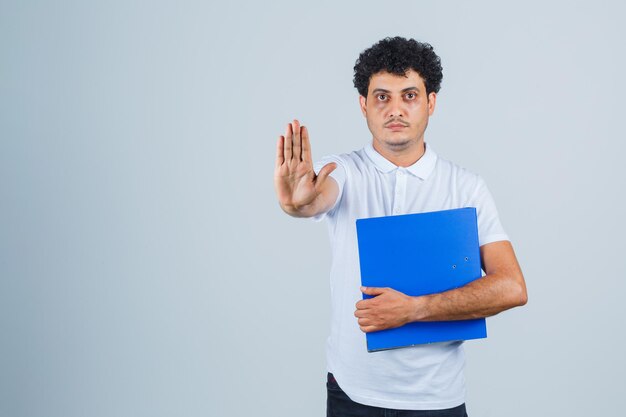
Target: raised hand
(297,186)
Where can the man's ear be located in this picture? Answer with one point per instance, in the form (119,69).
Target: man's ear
(432,100)
(363,103)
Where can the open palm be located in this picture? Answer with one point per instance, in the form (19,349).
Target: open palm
(295,181)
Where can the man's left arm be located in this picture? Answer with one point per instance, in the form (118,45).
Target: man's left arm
(503,287)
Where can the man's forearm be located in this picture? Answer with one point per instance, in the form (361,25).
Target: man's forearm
(502,288)
(483,297)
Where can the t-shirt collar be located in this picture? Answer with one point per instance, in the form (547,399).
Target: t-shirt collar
(422,168)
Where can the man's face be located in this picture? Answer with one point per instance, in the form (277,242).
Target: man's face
(397,110)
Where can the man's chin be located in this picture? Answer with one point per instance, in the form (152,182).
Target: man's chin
(397,143)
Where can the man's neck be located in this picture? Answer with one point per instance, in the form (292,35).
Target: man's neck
(404,157)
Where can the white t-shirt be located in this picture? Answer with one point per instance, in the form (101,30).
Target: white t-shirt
(413,378)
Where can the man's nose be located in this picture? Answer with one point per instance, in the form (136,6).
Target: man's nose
(396,108)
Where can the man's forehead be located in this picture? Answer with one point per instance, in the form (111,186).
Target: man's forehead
(393,82)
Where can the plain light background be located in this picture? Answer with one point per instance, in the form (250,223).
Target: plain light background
(146,268)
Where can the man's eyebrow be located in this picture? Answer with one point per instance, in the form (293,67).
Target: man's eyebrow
(382,90)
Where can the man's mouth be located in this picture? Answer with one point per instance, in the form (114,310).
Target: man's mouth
(395,126)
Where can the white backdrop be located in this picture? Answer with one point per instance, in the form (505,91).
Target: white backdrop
(146,268)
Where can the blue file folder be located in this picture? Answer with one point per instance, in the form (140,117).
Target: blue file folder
(420,254)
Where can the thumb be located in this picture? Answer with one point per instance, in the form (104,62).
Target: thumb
(373,290)
(326,169)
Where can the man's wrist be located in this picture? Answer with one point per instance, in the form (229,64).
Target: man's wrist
(419,308)
(298,210)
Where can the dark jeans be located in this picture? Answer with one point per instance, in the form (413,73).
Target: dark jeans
(338,404)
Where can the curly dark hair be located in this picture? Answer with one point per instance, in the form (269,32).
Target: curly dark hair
(397,55)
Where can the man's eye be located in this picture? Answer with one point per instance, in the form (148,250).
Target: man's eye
(382,96)
(410,96)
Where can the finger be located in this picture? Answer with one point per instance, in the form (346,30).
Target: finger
(306,146)
(363,305)
(373,290)
(297,143)
(287,148)
(364,322)
(280,152)
(368,329)
(325,171)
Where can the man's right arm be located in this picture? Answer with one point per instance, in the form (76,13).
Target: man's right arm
(301,192)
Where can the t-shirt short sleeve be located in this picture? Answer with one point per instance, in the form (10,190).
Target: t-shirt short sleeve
(338,174)
(489,227)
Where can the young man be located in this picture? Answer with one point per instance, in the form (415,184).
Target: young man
(396,173)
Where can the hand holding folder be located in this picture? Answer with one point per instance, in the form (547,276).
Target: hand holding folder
(420,254)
